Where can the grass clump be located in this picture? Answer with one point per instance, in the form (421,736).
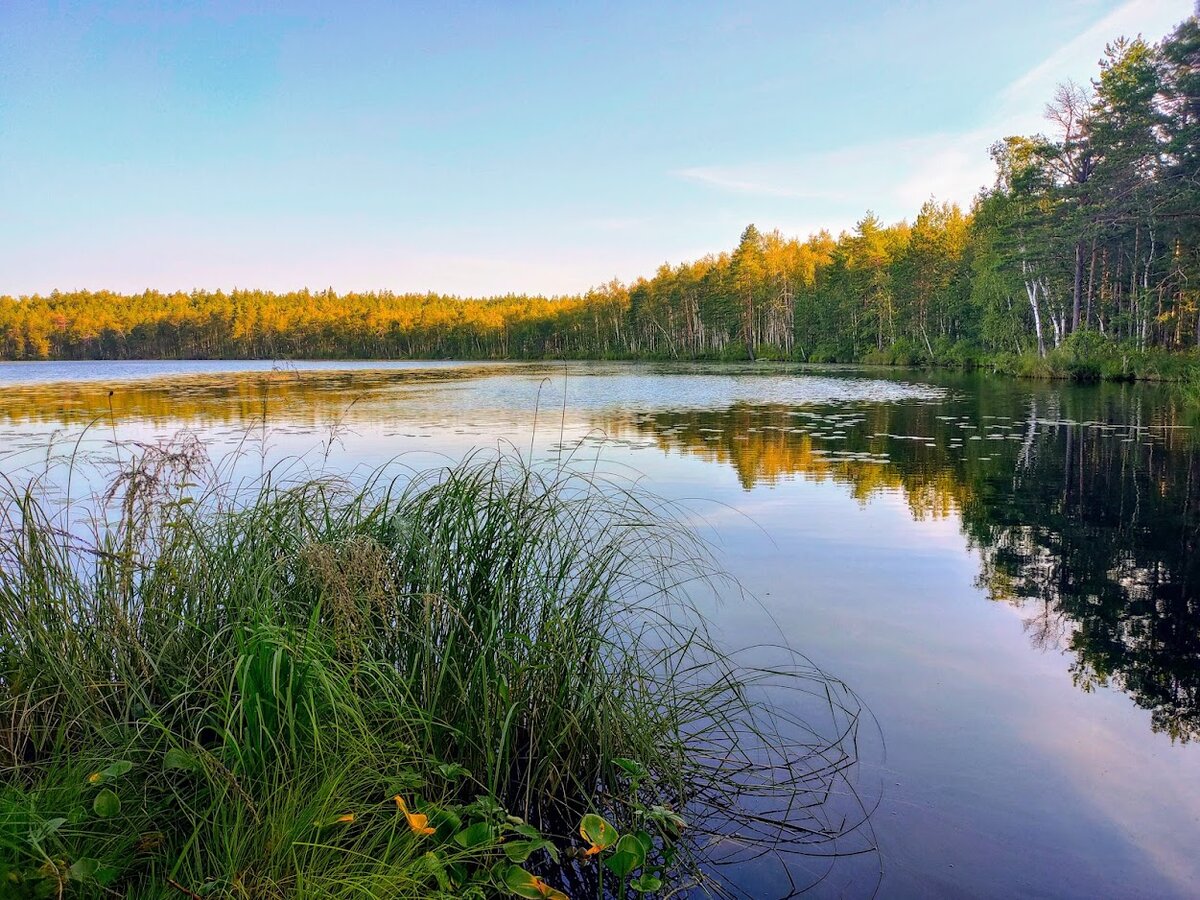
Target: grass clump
(1090,356)
(413,688)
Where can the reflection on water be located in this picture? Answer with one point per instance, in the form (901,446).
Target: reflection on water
(1088,521)
(1084,503)
(874,503)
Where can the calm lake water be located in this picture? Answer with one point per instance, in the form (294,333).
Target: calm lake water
(1007,573)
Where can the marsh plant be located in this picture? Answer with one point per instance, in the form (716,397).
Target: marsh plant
(486,680)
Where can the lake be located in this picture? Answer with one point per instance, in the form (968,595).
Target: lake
(1006,573)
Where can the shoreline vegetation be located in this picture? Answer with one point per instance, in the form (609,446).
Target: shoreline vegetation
(1081,261)
(488,680)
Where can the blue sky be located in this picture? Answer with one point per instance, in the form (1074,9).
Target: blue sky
(494,147)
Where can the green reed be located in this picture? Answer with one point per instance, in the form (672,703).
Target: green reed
(219,690)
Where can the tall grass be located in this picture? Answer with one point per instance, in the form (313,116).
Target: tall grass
(216,691)
(1190,387)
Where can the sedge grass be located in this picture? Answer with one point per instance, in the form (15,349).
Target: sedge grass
(250,676)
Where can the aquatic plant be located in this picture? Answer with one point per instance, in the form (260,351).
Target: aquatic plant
(405,686)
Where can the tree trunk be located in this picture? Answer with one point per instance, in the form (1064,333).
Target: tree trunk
(1032,291)
(1078,286)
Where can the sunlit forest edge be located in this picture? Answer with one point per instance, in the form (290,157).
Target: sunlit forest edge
(1081,260)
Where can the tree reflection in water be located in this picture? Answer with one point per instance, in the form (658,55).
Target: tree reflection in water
(1083,503)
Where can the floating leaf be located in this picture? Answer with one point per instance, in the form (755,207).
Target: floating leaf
(107,804)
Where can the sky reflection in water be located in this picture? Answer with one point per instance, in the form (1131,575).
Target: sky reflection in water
(1007,573)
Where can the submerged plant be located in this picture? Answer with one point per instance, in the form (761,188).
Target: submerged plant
(246,692)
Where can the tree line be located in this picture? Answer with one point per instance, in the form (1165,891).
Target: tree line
(1088,241)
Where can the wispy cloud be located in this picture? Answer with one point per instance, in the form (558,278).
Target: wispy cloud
(889,176)
(894,176)
(780,180)
(1078,57)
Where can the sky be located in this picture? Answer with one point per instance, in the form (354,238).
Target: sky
(487,148)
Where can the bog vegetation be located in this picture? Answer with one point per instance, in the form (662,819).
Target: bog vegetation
(483,682)
(1082,259)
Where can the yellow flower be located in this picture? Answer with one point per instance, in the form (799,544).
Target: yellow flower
(346,819)
(418,822)
(94,778)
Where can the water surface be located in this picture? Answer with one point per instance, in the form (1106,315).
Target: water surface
(1007,573)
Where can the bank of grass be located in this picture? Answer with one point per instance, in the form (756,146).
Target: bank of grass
(1086,356)
(415,688)
(1083,356)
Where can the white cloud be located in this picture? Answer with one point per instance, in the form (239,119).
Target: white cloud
(1078,58)
(896,175)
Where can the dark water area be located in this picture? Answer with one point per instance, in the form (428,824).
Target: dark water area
(1006,573)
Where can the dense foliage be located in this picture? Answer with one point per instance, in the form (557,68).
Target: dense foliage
(1085,250)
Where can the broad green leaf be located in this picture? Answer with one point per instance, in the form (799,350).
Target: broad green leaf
(434,864)
(645,883)
(519,851)
(475,835)
(528,885)
(596,831)
(446,821)
(407,782)
(116,769)
(485,805)
(668,820)
(107,804)
(628,856)
(631,767)
(452,771)
(84,868)
(178,758)
(458,874)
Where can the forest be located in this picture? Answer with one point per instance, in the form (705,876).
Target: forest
(1081,259)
